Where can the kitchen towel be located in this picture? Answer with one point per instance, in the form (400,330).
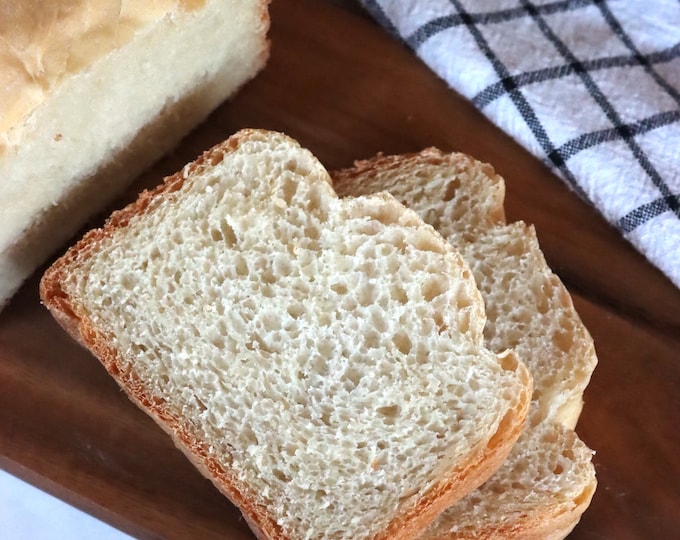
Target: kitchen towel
(590,86)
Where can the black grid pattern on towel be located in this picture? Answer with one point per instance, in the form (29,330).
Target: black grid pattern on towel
(566,63)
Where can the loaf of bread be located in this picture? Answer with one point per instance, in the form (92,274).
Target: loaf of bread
(319,359)
(548,481)
(92,93)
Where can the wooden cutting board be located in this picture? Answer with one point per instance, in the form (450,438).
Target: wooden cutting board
(346,90)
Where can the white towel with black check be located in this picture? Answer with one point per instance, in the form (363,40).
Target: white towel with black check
(590,86)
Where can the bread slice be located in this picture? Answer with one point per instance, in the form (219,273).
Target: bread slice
(92,93)
(528,308)
(318,359)
(548,481)
(540,493)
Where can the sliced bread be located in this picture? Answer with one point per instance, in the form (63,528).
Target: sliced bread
(528,308)
(92,93)
(318,359)
(540,492)
(548,481)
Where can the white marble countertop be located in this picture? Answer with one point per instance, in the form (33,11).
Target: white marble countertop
(27,513)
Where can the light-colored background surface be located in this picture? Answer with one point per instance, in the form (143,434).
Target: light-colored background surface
(26,513)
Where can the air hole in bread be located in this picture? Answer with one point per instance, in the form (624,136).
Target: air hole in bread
(463,322)
(282,266)
(240,266)
(451,188)
(295,310)
(402,342)
(366,294)
(281,475)
(387,215)
(268,291)
(542,304)
(288,190)
(584,496)
(421,354)
(339,288)
(312,233)
(568,454)
(127,281)
(314,203)
(352,378)
(425,241)
(398,293)
(563,339)
(508,361)
(372,339)
(432,288)
(177,237)
(290,165)
(215,158)
(319,366)
(389,411)
(516,249)
(228,234)
(268,276)
(257,345)
(378,320)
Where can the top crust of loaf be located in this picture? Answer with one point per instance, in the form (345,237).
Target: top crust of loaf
(43,42)
(320,360)
(62,162)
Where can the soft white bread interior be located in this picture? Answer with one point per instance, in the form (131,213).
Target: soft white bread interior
(548,481)
(319,359)
(93,92)
(540,492)
(528,308)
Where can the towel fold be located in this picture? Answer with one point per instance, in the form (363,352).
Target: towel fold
(590,86)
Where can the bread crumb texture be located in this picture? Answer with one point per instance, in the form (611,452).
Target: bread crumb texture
(327,351)
(547,482)
(528,308)
(548,479)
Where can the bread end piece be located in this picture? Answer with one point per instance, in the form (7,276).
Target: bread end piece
(107,115)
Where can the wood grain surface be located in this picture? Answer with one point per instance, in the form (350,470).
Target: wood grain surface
(346,90)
